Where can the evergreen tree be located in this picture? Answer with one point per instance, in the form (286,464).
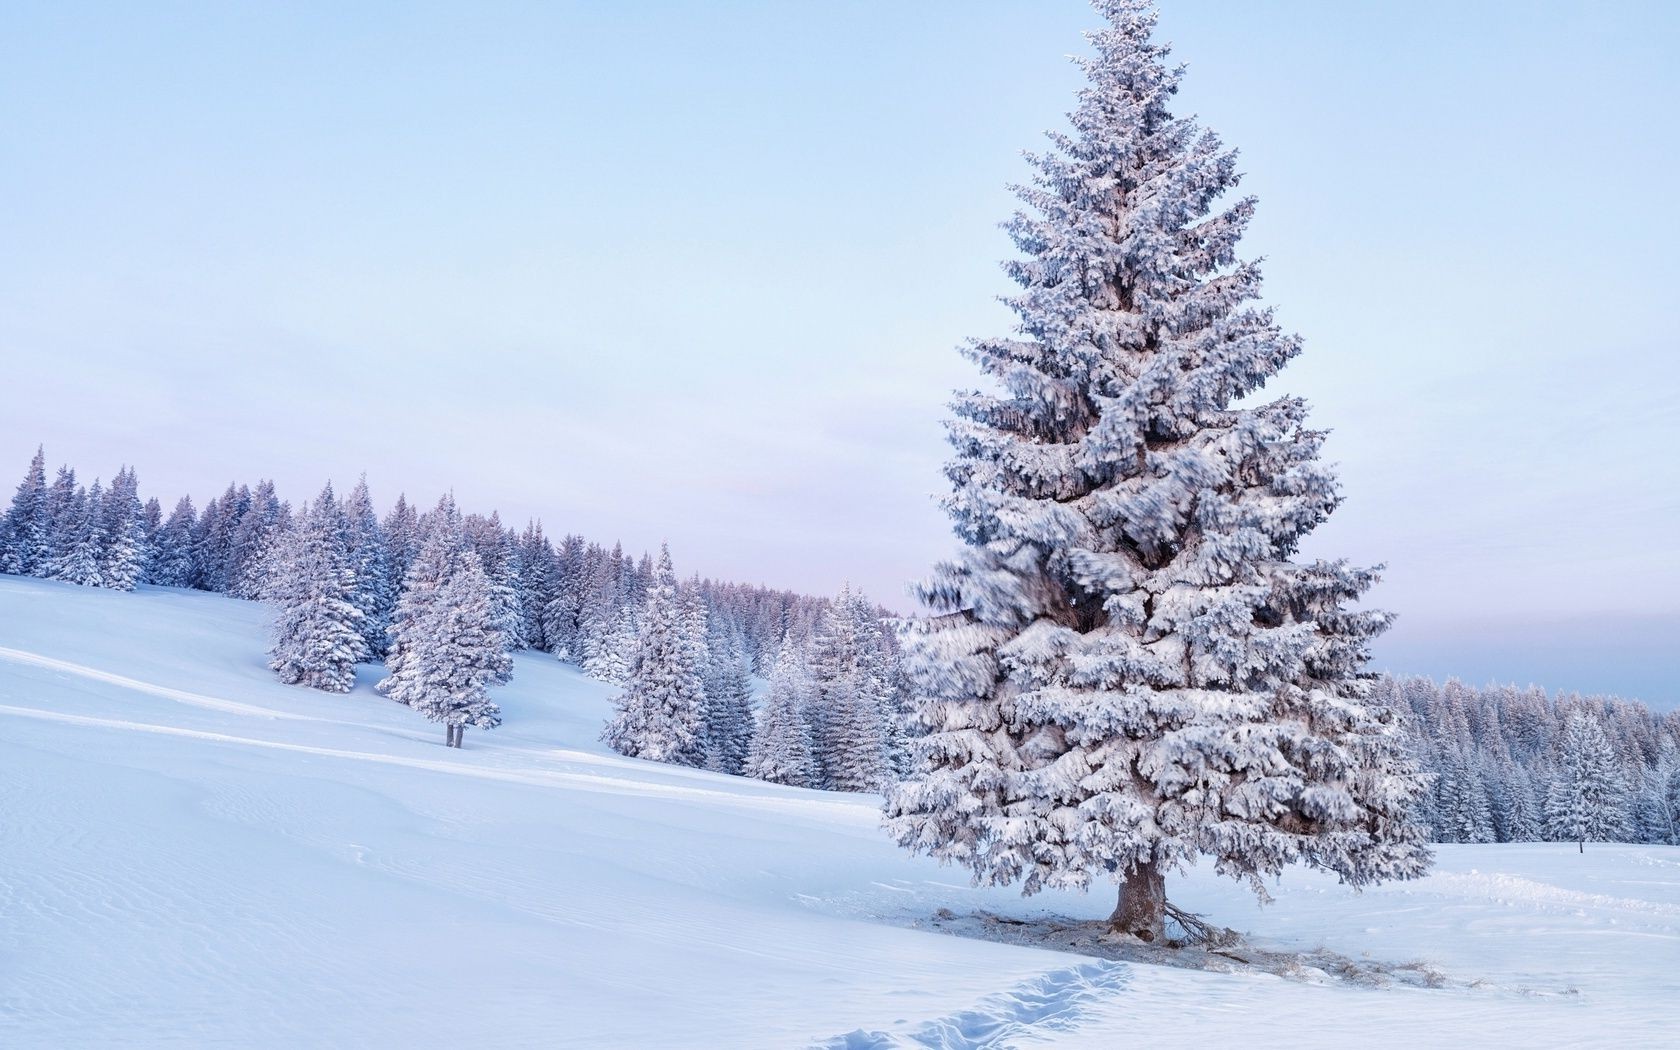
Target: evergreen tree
(76,539)
(169,562)
(369,559)
(215,559)
(536,585)
(852,723)
(252,540)
(729,710)
(781,746)
(565,605)
(438,557)
(1587,796)
(659,716)
(1130,669)
(28,526)
(317,628)
(122,534)
(401,530)
(451,647)
(614,658)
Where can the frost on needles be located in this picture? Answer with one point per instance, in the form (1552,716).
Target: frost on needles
(1128,668)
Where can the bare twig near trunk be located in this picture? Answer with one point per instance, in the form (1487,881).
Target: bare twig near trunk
(1142,911)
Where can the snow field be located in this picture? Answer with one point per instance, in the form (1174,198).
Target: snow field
(195,855)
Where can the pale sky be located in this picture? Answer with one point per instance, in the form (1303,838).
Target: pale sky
(697,272)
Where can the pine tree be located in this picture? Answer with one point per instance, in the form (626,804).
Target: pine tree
(729,704)
(365,548)
(659,716)
(121,529)
(252,540)
(781,746)
(430,569)
(614,657)
(401,530)
(76,539)
(317,628)
(1129,669)
(445,646)
(451,650)
(852,724)
(28,527)
(169,562)
(565,606)
(536,585)
(1587,796)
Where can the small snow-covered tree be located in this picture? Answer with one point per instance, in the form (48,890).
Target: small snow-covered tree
(251,542)
(729,705)
(169,562)
(445,645)
(28,527)
(1587,798)
(369,560)
(660,716)
(452,652)
(317,626)
(76,544)
(854,724)
(1128,667)
(122,535)
(781,747)
(614,658)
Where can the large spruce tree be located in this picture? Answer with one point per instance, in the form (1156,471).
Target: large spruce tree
(1129,668)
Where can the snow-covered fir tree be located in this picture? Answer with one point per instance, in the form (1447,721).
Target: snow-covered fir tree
(122,536)
(317,626)
(852,716)
(660,714)
(536,584)
(401,529)
(781,749)
(28,527)
(1587,796)
(368,558)
(1130,669)
(76,546)
(565,604)
(252,540)
(445,645)
(169,562)
(614,655)
(729,703)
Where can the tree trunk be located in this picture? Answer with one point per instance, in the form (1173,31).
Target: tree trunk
(1142,911)
(1581,847)
(448,735)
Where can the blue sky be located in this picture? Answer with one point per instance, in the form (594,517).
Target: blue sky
(697,272)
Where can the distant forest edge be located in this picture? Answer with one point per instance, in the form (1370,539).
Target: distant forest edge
(1507,764)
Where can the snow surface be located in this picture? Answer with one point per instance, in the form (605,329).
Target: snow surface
(193,854)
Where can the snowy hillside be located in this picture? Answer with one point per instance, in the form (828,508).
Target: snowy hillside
(193,854)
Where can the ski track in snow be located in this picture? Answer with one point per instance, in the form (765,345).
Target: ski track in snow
(211,703)
(552,778)
(1052,1002)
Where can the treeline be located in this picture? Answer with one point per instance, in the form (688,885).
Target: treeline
(577,599)
(1522,765)
(442,596)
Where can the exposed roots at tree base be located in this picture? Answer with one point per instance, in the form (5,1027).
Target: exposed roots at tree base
(1197,931)
(1193,943)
